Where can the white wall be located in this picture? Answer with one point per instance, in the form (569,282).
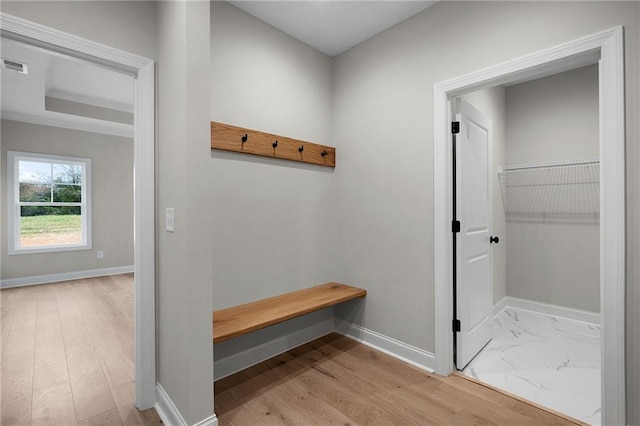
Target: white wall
(112,198)
(383,127)
(269,217)
(554,119)
(492,103)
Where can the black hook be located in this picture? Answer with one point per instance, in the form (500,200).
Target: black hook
(324,153)
(301,149)
(275,144)
(244,138)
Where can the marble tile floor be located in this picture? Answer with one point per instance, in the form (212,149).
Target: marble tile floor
(552,361)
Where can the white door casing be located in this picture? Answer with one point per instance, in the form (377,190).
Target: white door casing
(607,47)
(474,280)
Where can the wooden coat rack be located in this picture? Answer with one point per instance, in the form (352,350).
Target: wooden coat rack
(238,139)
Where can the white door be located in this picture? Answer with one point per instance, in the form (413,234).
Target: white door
(474,282)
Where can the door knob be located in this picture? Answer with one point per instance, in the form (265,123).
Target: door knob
(495,240)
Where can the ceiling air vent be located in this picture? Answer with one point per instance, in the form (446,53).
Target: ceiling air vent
(14,66)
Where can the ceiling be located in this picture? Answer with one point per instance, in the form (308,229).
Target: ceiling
(332,26)
(66,92)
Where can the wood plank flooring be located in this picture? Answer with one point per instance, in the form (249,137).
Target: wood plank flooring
(66,358)
(67,354)
(337,381)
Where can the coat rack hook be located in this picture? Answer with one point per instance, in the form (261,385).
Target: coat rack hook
(244,138)
(324,153)
(275,144)
(301,149)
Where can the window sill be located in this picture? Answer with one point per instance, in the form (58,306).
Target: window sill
(50,249)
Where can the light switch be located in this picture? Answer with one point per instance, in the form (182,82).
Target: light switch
(169,222)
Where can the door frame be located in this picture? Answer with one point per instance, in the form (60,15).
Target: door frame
(608,47)
(142,69)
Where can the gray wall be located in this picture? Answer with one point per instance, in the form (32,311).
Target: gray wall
(126,25)
(554,119)
(112,198)
(383,127)
(492,103)
(270,225)
(185,261)
(269,219)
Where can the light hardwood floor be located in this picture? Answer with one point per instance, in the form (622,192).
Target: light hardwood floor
(67,354)
(67,359)
(337,381)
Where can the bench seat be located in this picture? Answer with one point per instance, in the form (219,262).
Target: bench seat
(242,319)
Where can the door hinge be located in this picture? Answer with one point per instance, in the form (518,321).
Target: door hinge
(455,127)
(455,226)
(456,325)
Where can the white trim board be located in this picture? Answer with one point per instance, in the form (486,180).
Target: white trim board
(395,348)
(73,122)
(609,44)
(546,309)
(169,413)
(65,276)
(142,69)
(89,100)
(239,361)
(232,364)
(499,306)
(14,205)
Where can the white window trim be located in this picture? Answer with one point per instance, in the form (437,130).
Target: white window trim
(13,215)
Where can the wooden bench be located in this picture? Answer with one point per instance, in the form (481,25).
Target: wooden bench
(243,319)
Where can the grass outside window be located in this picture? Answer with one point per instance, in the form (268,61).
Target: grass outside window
(50,230)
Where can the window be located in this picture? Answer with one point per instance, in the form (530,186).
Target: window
(48,203)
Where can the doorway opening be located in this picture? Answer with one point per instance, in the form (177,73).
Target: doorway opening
(543,342)
(142,70)
(606,50)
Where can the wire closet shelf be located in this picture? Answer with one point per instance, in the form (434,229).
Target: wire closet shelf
(567,191)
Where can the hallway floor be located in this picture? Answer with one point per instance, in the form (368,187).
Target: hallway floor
(552,361)
(335,380)
(67,354)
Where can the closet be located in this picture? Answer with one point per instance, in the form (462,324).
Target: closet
(546,340)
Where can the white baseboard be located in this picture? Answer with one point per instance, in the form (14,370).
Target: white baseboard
(500,306)
(554,310)
(395,348)
(66,276)
(169,413)
(241,360)
(209,421)
(166,409)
